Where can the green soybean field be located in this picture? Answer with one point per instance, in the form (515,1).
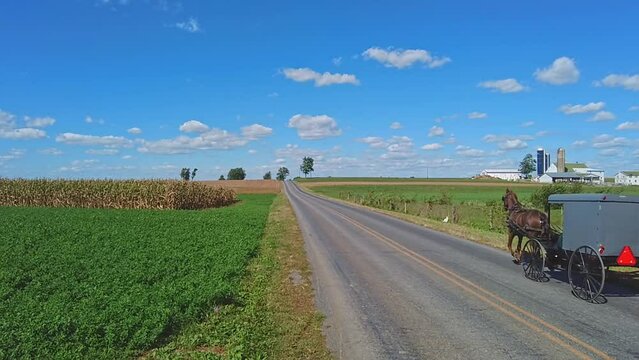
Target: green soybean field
(113,283)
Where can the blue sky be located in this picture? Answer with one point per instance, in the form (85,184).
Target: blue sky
(142,88)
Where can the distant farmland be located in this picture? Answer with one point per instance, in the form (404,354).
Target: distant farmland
(112,283)
(247,186)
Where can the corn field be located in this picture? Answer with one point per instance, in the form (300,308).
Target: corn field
(114,194)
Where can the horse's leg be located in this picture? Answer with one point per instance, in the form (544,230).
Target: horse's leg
(519,247)
(510,242)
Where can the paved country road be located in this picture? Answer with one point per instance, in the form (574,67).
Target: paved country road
(395,290)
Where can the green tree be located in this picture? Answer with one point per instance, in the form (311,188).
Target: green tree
(267,176)
(282,173)
(236,174)
(193,173)
(307,165)
(527,165)
(221,177)
(185,174)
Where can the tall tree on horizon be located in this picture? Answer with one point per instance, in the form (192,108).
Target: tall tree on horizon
(307,165)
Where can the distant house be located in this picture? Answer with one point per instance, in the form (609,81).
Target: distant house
(504,174)
(627,178)
(573,172)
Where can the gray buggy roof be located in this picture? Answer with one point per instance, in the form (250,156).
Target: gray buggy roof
(565,198)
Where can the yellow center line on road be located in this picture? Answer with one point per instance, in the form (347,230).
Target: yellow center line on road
(544,328)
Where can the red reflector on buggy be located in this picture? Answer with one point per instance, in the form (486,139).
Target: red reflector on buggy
(626,258)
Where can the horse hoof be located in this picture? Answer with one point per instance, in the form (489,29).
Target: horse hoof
(516,261)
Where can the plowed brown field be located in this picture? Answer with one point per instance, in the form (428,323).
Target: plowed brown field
(248,186)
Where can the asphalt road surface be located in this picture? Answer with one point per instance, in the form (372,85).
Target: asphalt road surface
(395,290)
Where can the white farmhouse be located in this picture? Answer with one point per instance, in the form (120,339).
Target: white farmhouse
(504,174)
(627,178)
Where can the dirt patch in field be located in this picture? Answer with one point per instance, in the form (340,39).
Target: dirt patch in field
(425,183)
(248,186)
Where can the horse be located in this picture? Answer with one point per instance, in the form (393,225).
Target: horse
(522,222)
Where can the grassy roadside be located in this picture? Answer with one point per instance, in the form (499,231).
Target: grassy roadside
(275,317)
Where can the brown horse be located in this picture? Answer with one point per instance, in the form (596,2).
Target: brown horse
(523,222)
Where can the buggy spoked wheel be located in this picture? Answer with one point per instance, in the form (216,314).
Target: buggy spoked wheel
(586,273)
(533,260)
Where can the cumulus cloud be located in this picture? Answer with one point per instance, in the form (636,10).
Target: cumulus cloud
(562,71)
(503,86)
(628,82)
(337,61)
(102,151)
(399,147)
(12,154)
(432,147)
(508,142)
(477,115)
(608,141)
(467,151)
(395,125)
(316,127)
(513,144)
(91,120)
(194,126)
(401,59)
(134,131)
(603,116)
(527,124)
(51,151)
(213,139)
(611,152)
(579,143)
(570,109)
(323,79)
(374,141)
(436,131)
(628,125)
(39,122)
(191,25)
(92,140)
(9,129)
(256,131)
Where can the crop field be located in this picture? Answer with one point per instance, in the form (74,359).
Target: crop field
(112,283)
(247,186)
(394,179)
(115,194)
(477,206)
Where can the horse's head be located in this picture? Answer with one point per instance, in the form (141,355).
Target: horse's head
(510,200)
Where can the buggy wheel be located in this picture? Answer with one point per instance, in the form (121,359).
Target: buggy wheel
(586,273)
(533,260)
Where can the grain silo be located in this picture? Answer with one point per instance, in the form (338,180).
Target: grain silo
(561,160)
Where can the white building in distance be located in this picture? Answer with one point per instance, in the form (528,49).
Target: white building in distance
(573,172)
(627,178)
(504,174)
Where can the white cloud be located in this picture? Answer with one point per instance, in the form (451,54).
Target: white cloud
(528,124)
(273,94)
(570,109)
(399,147)
(628,82)
(194,126)
(562,71)
(395,125)
(503,86)
(280,161)
(22,134)
(634,108)
(252,151)
(608,141)
(436,131)
(432,147)
(51,151)
(603,116)
(579,143)
(13,154)
(9,129)
(337,61)
(90,120)
(374,141)
(316,127)
(92,140)
(39,122)
(513,144)
(191,25)
(628,125)
(324,79)
(404,58)
(477,115)
(102,151)
(214,139)
(127,157)
(611,152)
(135,131)
(256,131)
(469,152)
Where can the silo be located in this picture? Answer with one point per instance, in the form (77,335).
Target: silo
(561,160)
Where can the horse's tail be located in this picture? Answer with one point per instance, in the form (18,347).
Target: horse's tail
(545,226)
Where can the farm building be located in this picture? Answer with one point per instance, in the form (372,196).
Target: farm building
(504,174)
(575,172)
(627,178)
